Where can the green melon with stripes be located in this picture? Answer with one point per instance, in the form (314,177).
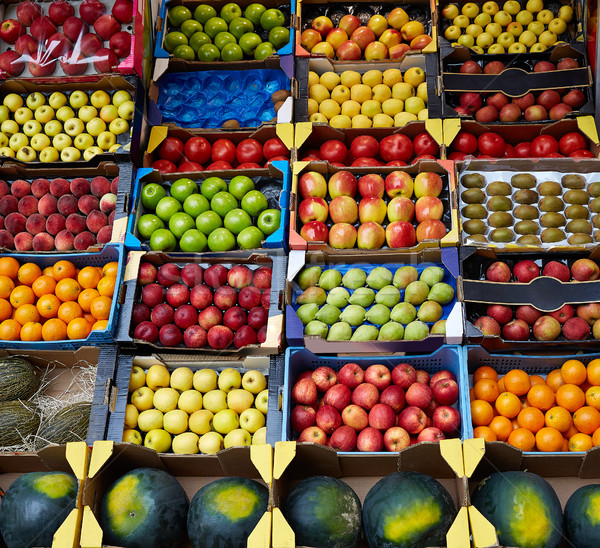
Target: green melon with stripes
(582,517)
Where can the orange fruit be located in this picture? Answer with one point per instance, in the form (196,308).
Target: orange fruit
(508,405)
(68,311)
(593,372)
(29,273)
(27,313)
(502,427)
(554,379)
(43,285)
(485,372)
(580,442)
(22,294)
(86,297)
(596,438)
(570,432)
(100,307)
(47,271)
(89,277)
(484,432)
(481,413)
(90,318)
(48,305)
(63,269)
(531,418)
(67,289)
(10,330)
(6,287)
(471,395)
(587,419)
(517,382)
(522,439)
(54,330)
(592,397)
(100,325)
(571,397)
(106,286)
(573,372)
(548,439)
(6,310)
(501,386)
(78,328)
(111,269)
(559,418)
(9,266)
(31,331)
(541,396)
(536,379)
(486,389)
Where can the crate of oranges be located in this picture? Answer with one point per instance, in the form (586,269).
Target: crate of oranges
(60,301)
(544,404)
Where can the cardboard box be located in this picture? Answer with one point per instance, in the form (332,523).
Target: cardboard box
(273,258)
(442,461)
(446,257)
(277,176)
(448,197)
(164,61)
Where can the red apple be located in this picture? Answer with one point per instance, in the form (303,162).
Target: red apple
(305,392)
(517,330)
(351,375)
(488,326)
(563,314)
(312,184)
(419,395)
(558,270)
(400,234)
(339,396)
(366,395)
(447,419)
(399,183)
(369,440)
(328,419)
(412,419)
(382,417)
(379,376)
(528,314)
(404,375)
(313,209)
(372,185)
(396,438)
(313,434)
(343,439)
(302,417)
(394,397)
(355,417)
(349,23)
(315,231)
(349,51)
(431,433)
(526,270)
(445,391)
(363,36)
(324,378)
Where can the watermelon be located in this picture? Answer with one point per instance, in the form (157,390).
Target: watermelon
(522,507)
(324,512)
(35,506)
(224,513)
(145,508)
(582,517)
(407,509)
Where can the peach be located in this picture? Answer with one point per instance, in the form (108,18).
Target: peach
(114,186)
(40,187)
(64,241)
(100,186)
(48,205)
(111,219)
(84,240)
(55,223)
(28,205)
(35,224)
(59,187)
(1,222)
(95,221)
(24,241)
(15,223)
(67,204)
(6,240)
(4,188)
(87,204)
(20,188)
(108,203)
(104,235)
(80,187)
(43,242)
(8,204)
(75,223)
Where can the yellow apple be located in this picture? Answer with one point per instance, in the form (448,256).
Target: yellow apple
(131,416)
(370,108)
(318,118)
(165,399)
(403,91)
(422,91)
(262,401)
(350,78)
(313,106)
(143,396)
(260,436)
(313,78)
(391,77)
(225,421)
(137,378)
(157,376)
(318,92)
(360,93)
(474,30)
(132,436)
(414,76)
(239,400)
(483,19)
(215,400)
(423,115)
(210,443)
(205,380)
(329,79)
(361,121)
(496,49)
(329,108)
(381,92)
(341,121)
(182,379)
(524,17)
(466,40)
(200,421)
(391,107)
(350,108)
(158,439)
(176,421)
(340,94)
(452,32)
(186,444)
(150,419)
(237,438)
(403,118)
(251,420)
(190,401)
(383,120)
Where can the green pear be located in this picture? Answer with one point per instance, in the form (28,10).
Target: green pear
(416,293)
(432,275)
(328,314)
(379,277)
(378,314)
(316,328)
(354,278)
(309,277)
(340,331)
(439,328)
(430,312)
(403,313)
(330,279)
(391,331)
(365,333)
(363,296)
(307,312)
(441,293)
(405,275)
(338,296)
(312,295)
(415,331)
(353,315)
(388,295)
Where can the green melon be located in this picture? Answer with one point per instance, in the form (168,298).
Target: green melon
(407,509)
(224,513)
(582,517)
(324,512)
(522,507)
(18,379)
(35,506)
(145,508)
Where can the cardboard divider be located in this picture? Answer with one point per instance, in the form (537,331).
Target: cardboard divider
(276,259)
(448,197)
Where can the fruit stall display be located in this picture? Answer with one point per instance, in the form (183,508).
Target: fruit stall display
(172,213)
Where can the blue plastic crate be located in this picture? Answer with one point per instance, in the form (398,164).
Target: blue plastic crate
(277,240)
(447,357)
(110,253)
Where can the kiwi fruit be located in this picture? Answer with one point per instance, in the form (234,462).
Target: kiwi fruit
(526,227)
(499,203)
(528,239)
(580,197)
(579,225)
(580,239)
(572,181)
(499,188)
(594,190)
(473,196)
(231,124)
(523,180)
(474,211)
(474,226)
(477,238)
(526,196)
(552,220)
(576,211)
(526,212)
(502,235)
(550,188)
(551,203)
(280,96)
(500,219)
(473,180)
(552,235)
(594,205)
(596,221)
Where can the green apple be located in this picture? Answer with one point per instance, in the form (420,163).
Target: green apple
(251,420)
(132,436)
(254,202)
(229,379)
(225,421)
(240,185)
(204,12)
(250,238)
(260,436)
(162,240)
(214,26)
(230,11)
(137,378)
(205,380)
(158,439)
(184,52)
(249,42)
(237,438)
(262,401)
(224,38)
(185,444)
(279,37)
(236,220)
(231,53)
(182,188)
(174,39)
(254,12)
(223,202)
(180,223)
(190,27)
(239,400)
(221,239)
(165,399)
(272,18)
(147,224)
(152,193)
(254,381)
(211,186)
(178,15)
(215,400)
(167,207)
(195,204)
(263,51)
(240,26)
(198,40)
(193,241)
(208,222)
(200,422)
(208,53)
(210,443)
(150,419)
(175,421)
(268,221)
(190,401)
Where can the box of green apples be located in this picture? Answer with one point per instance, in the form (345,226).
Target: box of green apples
(214,212)
(221,34)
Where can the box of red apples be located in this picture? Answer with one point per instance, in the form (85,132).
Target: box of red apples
(218,304)
(62,210)
(334,209)
(524,301)
(187,150)
(65,38)
(376,403)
